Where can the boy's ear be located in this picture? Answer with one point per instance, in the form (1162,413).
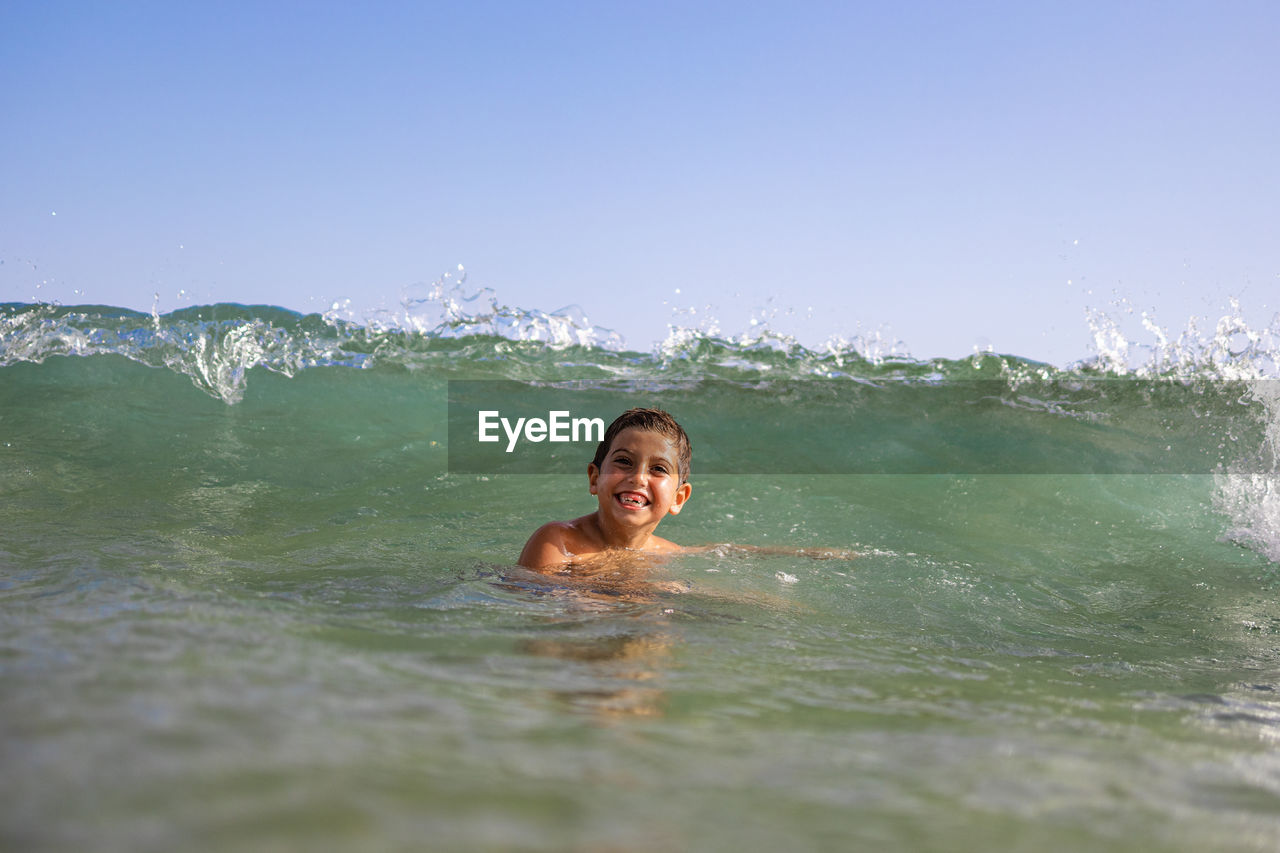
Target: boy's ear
(682,495)
(593,475)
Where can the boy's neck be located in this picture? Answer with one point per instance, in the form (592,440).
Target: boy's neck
(613,537)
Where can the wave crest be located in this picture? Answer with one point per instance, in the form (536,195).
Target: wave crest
(467,332)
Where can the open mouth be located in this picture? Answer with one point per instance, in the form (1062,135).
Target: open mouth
(631,500)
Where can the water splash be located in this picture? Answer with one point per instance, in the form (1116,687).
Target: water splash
(1248,491)
(447,308)
(217,345)
(1232,351)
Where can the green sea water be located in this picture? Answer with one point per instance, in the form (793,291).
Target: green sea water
(255,594)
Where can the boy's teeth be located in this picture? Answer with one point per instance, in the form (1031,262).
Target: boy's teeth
(632,500)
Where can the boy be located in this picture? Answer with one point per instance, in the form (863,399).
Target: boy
(640,474)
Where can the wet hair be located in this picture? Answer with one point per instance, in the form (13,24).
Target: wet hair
(650,420)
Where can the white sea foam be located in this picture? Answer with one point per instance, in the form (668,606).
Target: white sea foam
(1248,491)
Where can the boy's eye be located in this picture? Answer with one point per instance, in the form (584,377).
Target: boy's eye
(661,469)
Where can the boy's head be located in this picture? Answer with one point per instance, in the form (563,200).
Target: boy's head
(649,420)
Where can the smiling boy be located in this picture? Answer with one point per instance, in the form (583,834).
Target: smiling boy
(640,475)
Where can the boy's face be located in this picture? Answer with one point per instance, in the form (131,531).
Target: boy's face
(639,481)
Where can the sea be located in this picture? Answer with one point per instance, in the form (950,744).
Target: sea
(258,589)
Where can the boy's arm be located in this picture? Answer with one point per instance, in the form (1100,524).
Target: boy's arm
(727,548)
(545,547)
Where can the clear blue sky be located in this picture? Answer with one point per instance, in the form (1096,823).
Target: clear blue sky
(961,173)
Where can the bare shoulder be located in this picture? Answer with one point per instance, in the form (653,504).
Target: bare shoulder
(556,543)
(546,547)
